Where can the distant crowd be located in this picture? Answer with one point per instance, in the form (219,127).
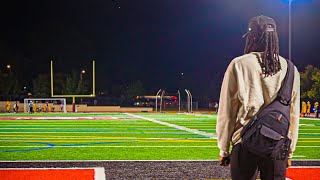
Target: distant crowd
(15,107)
(306,109)
(32,107)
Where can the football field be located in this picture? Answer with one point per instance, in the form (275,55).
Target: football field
(124,136)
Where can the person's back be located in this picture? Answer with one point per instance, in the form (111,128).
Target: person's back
(251,82)
(255,89)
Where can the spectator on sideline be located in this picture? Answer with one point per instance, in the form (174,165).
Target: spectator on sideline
(303,109)
(47,106)
(251,82)
(308,108)
(16,107)
(30,107)
(318,111)
(8,105)
(216,107)
(61,106)
(315,108)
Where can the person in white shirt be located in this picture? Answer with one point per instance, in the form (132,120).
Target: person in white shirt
(251,82)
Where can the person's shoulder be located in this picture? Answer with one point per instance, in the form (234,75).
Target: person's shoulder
(284,65)
(246,61)
(247,58)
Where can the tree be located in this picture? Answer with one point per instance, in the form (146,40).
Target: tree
(314,92)
(9,85)
(41,86)
(135,89)
(75,85)
(308,78)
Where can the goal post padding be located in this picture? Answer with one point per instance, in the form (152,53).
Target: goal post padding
(54,104)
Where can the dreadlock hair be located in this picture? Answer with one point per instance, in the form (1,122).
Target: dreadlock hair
(267,42)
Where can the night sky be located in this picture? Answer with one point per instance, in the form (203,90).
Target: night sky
(153,41)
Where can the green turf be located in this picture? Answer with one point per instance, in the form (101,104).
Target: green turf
(124,138)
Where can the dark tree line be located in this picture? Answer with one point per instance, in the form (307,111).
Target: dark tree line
(310,83)
(11,88)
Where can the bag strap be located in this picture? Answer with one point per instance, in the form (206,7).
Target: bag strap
(285,92)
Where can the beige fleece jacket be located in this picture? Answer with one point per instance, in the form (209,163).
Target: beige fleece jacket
(244,91)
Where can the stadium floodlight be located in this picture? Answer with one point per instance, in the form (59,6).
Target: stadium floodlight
(73,96)
(81,74)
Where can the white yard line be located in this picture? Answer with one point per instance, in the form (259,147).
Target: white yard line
(111,146)
(66,132)
(195,131)
(310,129)
(109,138)
(25,161)
(177,160)
(298,156)
(133,128)
(316,119)
(79,146)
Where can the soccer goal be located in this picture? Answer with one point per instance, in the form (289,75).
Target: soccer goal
(45,105)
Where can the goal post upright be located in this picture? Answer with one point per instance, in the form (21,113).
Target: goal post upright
(51,74)
(73,96)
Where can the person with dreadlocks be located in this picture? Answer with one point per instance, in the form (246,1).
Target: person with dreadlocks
(250,83)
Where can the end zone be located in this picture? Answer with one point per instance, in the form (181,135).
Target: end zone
(303,172)
(52,173)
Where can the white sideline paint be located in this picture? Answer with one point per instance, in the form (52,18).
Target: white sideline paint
(98,171)
(305,167)
(24,161)
(156,160)
(298,156)
(133,146)
(64,132)
(121,138)
(118,128)
(195,114)
(316,119)
(114,146)
(307,125)
(194,131)
(47,168)
(310,129)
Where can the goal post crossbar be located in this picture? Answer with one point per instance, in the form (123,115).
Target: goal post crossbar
(74,95)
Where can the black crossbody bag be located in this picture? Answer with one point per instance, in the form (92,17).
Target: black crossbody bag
(266,134)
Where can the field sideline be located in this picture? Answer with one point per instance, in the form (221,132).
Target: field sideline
(123,136)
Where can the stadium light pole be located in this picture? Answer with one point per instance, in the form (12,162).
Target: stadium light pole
(290,32)
(9,68)
(179,100)
(81,74)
